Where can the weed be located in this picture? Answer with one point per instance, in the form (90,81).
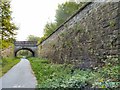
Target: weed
(51,75)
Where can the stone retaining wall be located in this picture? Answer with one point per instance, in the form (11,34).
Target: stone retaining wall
(87,39)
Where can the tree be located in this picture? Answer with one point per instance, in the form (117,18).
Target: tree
(49,28)
(65,10)
(7,27)
(33,38)
(62,13)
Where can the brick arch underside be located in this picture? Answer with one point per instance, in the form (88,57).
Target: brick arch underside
(33,53)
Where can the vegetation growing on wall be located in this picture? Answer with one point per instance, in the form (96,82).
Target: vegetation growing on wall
(88,39)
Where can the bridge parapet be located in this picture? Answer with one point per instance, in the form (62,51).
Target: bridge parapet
(26,43)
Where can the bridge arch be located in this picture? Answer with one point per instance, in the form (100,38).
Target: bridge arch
(33,53)
(25,45)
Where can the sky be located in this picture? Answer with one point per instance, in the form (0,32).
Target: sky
(31,16)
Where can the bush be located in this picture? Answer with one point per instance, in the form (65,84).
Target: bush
(60,76)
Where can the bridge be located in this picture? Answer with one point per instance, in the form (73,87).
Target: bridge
(25,45)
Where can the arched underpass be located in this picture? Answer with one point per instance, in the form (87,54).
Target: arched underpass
(27,49)
(25,45)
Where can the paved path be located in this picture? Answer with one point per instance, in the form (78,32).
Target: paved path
(20,76)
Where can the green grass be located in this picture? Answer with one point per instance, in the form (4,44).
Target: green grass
(61,76)
(6,64)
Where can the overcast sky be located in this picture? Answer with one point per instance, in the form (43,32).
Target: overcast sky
(32,15)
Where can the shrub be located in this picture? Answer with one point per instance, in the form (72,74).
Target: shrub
(59,75)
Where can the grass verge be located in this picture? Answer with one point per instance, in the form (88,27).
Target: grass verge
(62,76)
(6,64)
